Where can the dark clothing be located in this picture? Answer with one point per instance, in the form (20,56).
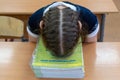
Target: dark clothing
(85,16)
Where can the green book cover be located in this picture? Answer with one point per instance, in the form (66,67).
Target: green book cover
(43,58)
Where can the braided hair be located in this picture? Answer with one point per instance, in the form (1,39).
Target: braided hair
(60,31)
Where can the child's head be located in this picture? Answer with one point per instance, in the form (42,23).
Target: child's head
(60,31)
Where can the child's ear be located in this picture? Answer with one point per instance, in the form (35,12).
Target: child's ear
(79,24)
(41,24)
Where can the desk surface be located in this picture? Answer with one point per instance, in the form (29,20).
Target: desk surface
(102,61)
(30,6)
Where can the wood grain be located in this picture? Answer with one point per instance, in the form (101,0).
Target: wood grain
(102,61)
(30,6)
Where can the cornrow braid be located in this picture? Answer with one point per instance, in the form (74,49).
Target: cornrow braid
(61,31)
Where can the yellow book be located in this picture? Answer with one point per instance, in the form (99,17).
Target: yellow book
(46,65)
(43,58)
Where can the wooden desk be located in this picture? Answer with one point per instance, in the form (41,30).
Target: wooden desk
(24,8)
(102,61)
(30,6)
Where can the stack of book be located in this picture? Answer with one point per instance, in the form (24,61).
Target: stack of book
(45,65)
